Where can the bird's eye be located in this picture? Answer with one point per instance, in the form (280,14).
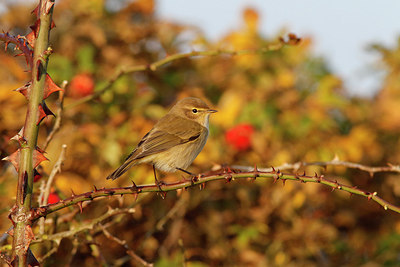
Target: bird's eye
(194,110)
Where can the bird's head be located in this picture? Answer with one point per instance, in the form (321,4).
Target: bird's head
(193,109)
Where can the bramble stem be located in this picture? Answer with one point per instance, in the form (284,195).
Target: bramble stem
(21,215)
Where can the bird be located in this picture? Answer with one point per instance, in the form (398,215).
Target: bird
(174,141)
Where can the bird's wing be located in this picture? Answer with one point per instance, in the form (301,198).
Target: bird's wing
(172,134)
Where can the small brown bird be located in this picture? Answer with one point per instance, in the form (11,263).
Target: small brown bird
(175,140)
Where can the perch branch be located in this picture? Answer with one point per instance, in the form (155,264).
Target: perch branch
(223,174)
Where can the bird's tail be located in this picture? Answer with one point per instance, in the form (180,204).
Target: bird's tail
(122,169)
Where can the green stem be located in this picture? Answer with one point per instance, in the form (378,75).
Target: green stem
(22,213)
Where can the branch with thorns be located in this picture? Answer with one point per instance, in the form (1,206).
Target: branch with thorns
(227,174)
(335,162)
(21,43)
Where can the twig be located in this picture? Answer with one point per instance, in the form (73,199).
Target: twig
(171,213)
(57,122)
(45,192)
(86,226)
(157,64)
(48,254)
(223,174)
(123,243)
(56,169)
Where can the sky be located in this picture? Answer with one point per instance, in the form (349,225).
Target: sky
(341,30)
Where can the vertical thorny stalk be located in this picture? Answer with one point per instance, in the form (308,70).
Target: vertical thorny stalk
(21,214)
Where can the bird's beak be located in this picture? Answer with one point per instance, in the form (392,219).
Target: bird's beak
(211,110)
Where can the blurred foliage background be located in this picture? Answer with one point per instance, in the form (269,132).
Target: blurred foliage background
(274,108)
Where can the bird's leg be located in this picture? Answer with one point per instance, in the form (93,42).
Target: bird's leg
(158,183)
(185,171)
(193,178)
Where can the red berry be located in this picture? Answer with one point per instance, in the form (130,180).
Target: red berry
(81,85)
(53,198)
(240,136)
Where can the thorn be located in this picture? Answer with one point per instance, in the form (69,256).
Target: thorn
(35,28)
(95,188)
(80,205)
(36,11)
(371,174)
(25,89)
(202,186)
(228,178)
(385,207)
(196,178)
(19,137)
(283,182)
(256,172)
(304,174)
(273,169)
(14,159)
(48,6)
(335,158)
(133,186)
(30,37)
(73,193)
(44,111)
(162,194)
(50,87)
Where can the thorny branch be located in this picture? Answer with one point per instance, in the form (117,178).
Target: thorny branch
(222,174)
(20,44)
(335,162)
